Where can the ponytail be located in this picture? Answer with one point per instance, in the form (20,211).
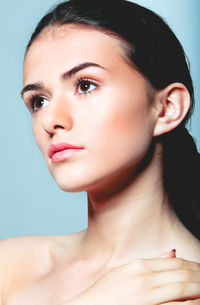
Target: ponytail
(181,172)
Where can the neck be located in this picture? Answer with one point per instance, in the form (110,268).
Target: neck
(131,217)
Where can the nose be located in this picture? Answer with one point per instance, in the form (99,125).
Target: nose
(57,115)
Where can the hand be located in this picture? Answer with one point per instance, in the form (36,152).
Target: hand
(154,281)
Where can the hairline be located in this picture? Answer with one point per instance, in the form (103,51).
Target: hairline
(126,47)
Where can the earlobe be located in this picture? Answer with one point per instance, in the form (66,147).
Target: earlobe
(174,103)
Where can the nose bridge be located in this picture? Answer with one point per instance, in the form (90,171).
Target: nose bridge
(57,114)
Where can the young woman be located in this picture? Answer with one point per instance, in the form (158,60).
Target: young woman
(110,92)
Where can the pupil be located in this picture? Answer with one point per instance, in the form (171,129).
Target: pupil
(85,86)
(38,102)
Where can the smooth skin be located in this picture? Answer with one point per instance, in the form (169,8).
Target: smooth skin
(113,113)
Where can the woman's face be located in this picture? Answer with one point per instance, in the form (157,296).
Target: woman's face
(102,106)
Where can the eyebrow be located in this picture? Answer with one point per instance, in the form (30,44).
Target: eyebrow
(79,67)
(65,75)
(32,87)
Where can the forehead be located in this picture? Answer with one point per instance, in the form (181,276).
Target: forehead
(69,42)
(77,32)
(60,48)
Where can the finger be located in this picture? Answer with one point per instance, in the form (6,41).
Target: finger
(159,279)
(176,292)
(160,264)
(189,302)
(170,254)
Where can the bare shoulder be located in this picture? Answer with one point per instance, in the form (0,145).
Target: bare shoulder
(29,258)
(195,248)
(22,257)
(189,247)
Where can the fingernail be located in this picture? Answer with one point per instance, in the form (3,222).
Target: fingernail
(174,251)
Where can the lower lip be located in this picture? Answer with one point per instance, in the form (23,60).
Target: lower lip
(64,154)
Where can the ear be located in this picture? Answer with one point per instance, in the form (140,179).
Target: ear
(172,105)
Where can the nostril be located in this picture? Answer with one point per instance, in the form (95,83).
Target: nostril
(58,126)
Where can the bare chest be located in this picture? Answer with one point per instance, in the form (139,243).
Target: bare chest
(56,288)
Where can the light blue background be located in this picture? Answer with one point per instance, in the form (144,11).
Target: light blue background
(31,203)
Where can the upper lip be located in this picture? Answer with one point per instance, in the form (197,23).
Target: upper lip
(54,148)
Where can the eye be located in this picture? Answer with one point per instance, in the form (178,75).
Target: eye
(85,86)
(36,102)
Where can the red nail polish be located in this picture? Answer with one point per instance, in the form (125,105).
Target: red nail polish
(174,251)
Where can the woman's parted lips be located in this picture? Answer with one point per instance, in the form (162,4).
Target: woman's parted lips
(54,148)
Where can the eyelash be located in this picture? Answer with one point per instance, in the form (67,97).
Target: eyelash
(80,80)
(31,101)
(76,84)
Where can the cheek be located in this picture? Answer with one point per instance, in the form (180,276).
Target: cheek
(38,133)
(126,131)
(130,120)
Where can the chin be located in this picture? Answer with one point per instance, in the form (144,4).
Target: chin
(71,184)
(70,188)
(79,182)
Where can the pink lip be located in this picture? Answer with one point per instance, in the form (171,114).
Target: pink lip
(59,152)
